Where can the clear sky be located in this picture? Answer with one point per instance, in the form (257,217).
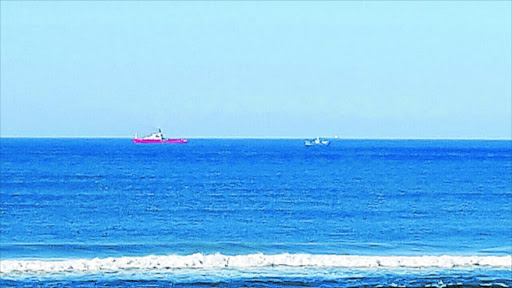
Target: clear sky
(257,69)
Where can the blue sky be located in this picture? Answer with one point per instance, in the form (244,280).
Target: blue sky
(257,69)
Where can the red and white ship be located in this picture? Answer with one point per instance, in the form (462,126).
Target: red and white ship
(158,138)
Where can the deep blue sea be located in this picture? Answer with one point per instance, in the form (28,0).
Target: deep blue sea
(255,213)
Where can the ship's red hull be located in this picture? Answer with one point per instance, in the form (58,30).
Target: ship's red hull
(164,141)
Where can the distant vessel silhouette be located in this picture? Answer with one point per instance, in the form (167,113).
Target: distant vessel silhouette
(157,138)
(316,141)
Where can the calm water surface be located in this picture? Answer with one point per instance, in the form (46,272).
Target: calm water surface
(86,198)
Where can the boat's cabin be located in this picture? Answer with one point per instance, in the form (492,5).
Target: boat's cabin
(155,136)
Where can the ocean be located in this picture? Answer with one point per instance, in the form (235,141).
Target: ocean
(255,213)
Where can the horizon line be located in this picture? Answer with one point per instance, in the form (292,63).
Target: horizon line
(264,137)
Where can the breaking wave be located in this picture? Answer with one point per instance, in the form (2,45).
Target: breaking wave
(151,262)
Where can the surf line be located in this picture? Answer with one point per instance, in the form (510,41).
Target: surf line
(251,260)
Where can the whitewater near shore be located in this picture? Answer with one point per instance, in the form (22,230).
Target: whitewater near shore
(251,261)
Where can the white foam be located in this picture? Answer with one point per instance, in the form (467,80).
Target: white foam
(98,265)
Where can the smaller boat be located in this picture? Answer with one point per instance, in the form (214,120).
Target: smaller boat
(316,141)
(157,138)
